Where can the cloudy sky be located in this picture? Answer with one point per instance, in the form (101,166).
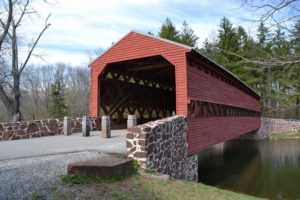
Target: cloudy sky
(79,27)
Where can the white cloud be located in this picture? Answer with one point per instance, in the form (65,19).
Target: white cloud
(80,26)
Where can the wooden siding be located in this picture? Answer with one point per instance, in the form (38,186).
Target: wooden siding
(134,46)
(204,87)
(205,132)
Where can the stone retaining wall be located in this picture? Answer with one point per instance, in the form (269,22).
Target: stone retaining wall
(39,128)
(270,125)
(162,145)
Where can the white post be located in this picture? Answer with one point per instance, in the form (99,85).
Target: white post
(131,121)
(67,126)
(85,126)
(105,127)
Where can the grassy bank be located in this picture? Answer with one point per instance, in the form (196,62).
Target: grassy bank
(291,135)
(144,188)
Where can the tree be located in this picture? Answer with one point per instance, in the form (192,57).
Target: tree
(280,46)
(263,37)
(169,31)
(187,35)
(58,107)
(6,24)
(296,37)
(281,13)
(228,38)
(10,93)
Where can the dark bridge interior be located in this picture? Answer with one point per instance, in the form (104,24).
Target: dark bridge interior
(144,87)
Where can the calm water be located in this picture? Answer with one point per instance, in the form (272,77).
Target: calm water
(269,169)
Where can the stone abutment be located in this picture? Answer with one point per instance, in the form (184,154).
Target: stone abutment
(162,146)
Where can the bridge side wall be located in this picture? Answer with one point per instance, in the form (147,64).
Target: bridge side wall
(162,145)
(39,128)
(220,107)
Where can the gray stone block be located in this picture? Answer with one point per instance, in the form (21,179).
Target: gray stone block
(86,126)
(67,126)
(104,167)
(105,127)
(131,121)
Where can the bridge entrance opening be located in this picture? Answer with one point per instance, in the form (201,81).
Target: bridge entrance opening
(143,87)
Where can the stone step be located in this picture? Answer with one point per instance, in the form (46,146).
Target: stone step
(108,166)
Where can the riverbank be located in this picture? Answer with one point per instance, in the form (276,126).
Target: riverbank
(290,135)
(141,187)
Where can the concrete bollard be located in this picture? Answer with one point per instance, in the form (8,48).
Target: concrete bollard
(131,121)
(105,127)
(67,126)
(86,126)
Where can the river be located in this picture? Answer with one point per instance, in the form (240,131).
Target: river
(267,168)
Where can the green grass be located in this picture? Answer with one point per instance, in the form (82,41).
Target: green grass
(66,179)
(143,188)
(290,135)
(149,171)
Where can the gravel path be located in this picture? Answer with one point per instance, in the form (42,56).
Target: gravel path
(24,178)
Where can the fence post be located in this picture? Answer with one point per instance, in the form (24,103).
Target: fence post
(105,127)
(131,121)
(67,126)
(85,126)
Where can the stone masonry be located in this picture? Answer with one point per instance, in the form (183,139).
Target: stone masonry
(39,128)
(270,125)
(162,146)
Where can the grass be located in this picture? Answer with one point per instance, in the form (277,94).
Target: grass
(143,188)
(66,179)
(149,171)
(290,135)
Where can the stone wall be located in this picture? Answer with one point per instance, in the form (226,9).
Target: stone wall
(39,128)
(270,125)
(162,145)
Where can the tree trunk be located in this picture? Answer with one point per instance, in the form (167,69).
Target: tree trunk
(298,108)
(17,115)
(8,103)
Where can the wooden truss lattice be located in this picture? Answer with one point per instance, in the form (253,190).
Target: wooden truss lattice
(148,95)
(199,109)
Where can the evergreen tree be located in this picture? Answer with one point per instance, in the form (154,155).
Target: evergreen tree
(187,35)
(228,38)
(58,107)
(168,31)
(296,37)
(263,37)
(295,71)
(242,38)
(280,45)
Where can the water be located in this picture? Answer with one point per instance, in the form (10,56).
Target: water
(267,168)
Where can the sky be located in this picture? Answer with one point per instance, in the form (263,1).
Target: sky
(79,27)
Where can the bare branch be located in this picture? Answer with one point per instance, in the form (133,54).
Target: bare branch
(270,62)
(275,13)
(47,25)
(7,24)
(23,12)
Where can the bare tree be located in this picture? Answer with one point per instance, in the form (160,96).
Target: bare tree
(20,9)
(275,13)
(6,24)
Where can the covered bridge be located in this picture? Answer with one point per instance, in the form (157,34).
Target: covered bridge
(154,78)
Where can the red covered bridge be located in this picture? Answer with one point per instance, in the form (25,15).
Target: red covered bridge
(155,78)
